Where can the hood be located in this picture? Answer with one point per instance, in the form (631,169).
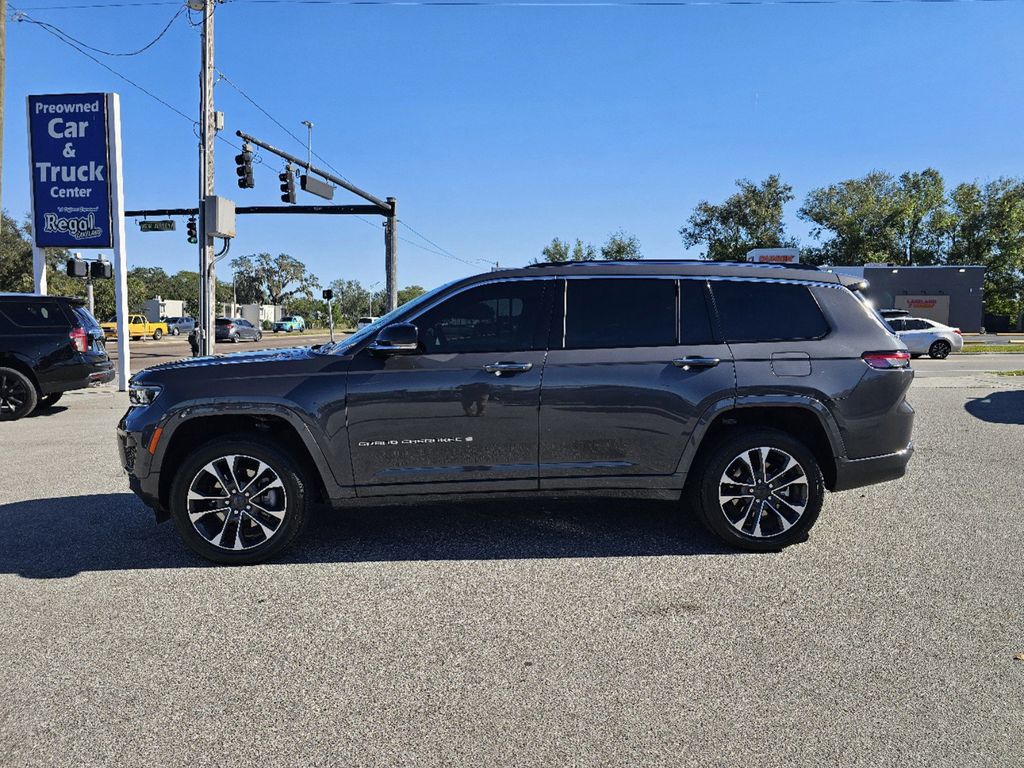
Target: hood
(223,363)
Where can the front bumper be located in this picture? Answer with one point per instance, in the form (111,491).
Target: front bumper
(856,473)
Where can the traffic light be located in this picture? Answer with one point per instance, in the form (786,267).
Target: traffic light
(193,235)
(77,267)
(244,169)
(101,270)
(328,294)
(287,185)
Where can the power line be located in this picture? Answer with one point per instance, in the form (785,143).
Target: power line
(47,28)
(55,30)
(599,3)
(86,6)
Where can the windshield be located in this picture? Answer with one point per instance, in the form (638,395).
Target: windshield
(342,347)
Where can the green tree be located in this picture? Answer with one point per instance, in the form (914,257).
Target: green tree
(558,251)
(921,206)
(263,279)
(409,293)
(621,246)
(749,218)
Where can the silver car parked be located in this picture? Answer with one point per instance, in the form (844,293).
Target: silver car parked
(927,337)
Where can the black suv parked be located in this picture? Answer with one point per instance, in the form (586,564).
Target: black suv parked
(750,388)
(48,345)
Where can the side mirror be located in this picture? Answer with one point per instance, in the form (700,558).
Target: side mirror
(396,339)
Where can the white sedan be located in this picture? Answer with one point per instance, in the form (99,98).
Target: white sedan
(927,337)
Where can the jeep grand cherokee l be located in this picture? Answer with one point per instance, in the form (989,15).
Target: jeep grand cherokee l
(747,390)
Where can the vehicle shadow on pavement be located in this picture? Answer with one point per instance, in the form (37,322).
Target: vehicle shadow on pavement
(1004,407)
(60,537)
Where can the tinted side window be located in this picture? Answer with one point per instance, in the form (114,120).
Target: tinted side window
(499,317)
(694,318)
(897,324)
(35,314)
(620,312)
(917,325)
(752,311)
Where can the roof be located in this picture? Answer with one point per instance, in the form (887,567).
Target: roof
(681,267)
(8,296)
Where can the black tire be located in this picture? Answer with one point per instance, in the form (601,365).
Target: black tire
(275,330)
(723,456)
(48,401)
(234,338)
(18,395)
(175,331)
(158,334)
(294,502)
(259,336)
(939,350)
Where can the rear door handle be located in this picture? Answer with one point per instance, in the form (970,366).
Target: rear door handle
(688,363)
(501,368)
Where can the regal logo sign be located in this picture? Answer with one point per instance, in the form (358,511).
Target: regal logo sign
(70,160)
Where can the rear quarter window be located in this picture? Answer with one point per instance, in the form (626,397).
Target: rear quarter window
(762,311)
(35,314)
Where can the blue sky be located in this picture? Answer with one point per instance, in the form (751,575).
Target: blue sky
(499,128)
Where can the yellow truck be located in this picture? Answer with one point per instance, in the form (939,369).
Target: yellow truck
(138,327)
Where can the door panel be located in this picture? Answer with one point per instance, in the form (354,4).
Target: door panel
(620,416)
(461,414)
(624,414)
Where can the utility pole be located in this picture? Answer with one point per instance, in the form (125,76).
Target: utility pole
(3,72)
(207,137)
(391,254)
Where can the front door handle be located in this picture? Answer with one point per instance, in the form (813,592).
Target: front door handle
(689,363)
(501,368)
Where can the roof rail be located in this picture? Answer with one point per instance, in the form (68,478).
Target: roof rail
(709,262)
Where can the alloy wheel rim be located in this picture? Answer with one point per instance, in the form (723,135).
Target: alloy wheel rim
(237,502)
(13,394)
(763,492)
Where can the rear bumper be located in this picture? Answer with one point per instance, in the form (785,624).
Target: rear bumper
(855,473)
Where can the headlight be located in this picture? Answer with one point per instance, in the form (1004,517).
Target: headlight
(142,394)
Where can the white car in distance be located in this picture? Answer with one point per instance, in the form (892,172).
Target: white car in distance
(927,337)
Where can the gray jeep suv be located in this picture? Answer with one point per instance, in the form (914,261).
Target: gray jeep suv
(746,390)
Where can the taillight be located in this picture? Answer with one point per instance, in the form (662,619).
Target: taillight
(79,339)
(957,332)
(885,360)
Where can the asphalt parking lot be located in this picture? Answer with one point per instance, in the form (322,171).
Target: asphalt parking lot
(540,634)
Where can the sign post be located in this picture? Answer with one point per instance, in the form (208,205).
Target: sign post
(77,189)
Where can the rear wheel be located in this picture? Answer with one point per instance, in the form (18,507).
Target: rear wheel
(48,401)
(238,500)
(175,331)
(18,395)
(234,338)
(259,336)
(939,350)
(158,334)
(760,491)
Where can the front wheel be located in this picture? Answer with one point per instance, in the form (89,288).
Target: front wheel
(939,350)
(760,491)
(238,500)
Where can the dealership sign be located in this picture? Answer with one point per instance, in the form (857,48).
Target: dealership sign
(70,163)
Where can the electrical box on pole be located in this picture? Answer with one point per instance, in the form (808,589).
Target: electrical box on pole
(220,216)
